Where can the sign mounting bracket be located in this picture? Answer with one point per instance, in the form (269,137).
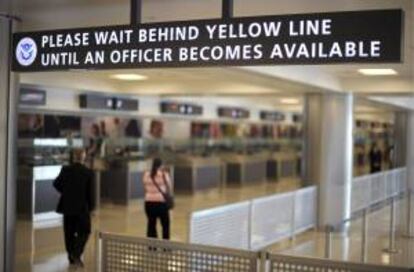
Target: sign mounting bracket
(227,9)
(136,12)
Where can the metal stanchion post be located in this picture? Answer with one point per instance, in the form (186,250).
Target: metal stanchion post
(97,190)
(364,240)
(249,226)
(292,220)
(98,251)
(328,241)
(263,261)
(391,248)
(409,231)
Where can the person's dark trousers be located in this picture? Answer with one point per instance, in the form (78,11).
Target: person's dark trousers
(155,210)
(77,229)
(375,169)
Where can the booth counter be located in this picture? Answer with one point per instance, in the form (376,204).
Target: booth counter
(283,165)
(193,174)
(122,180)
(38,198)
(244,169)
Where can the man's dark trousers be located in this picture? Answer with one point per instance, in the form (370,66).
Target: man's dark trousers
(77,229)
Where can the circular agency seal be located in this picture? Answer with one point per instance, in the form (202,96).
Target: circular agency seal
(26,51)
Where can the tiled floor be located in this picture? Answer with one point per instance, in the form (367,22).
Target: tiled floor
(42,250)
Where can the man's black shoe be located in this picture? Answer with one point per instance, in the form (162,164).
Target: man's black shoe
(78,262)
(71,259)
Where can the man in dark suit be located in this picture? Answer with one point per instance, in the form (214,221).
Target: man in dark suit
(74,183)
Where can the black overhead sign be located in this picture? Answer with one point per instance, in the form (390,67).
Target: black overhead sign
(321,38)
(32,97)
(125,104)
(92,101)
(272,116)
(233,112)
(181,108)
(100,102)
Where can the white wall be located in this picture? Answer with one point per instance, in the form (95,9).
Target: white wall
(386,117)
(64,100)
(177,129)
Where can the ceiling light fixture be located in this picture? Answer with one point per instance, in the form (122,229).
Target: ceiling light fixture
(290,101)
(129,77)
(377,72)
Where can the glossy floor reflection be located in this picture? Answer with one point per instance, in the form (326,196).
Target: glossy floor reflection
(348,246)
(42,250)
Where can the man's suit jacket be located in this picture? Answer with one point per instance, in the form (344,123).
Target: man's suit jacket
(75,185)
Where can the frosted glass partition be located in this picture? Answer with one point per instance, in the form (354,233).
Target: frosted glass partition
(306,208)
(272,219)
(372,189)
(256,223)
(260,222)
(361,193)
(226,226)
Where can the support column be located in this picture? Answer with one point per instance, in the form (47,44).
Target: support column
(409,226)
(400,135)
(328,154)
(410,150)
(8,124)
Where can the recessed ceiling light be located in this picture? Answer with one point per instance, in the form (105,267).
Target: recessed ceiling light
(377,72)
(290,101)
(129,77)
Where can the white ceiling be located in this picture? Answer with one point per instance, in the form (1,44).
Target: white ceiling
(234,87)
(47,14)
(187,81)
(399,101)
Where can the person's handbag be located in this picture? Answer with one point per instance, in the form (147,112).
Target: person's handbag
(168,197)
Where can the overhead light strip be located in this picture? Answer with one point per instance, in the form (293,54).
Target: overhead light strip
(129,77)
(377,72)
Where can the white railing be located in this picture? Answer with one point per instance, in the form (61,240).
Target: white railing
(306,209)
(226,226)
(260,222)
(281,216)
(372,189)
(257,223)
